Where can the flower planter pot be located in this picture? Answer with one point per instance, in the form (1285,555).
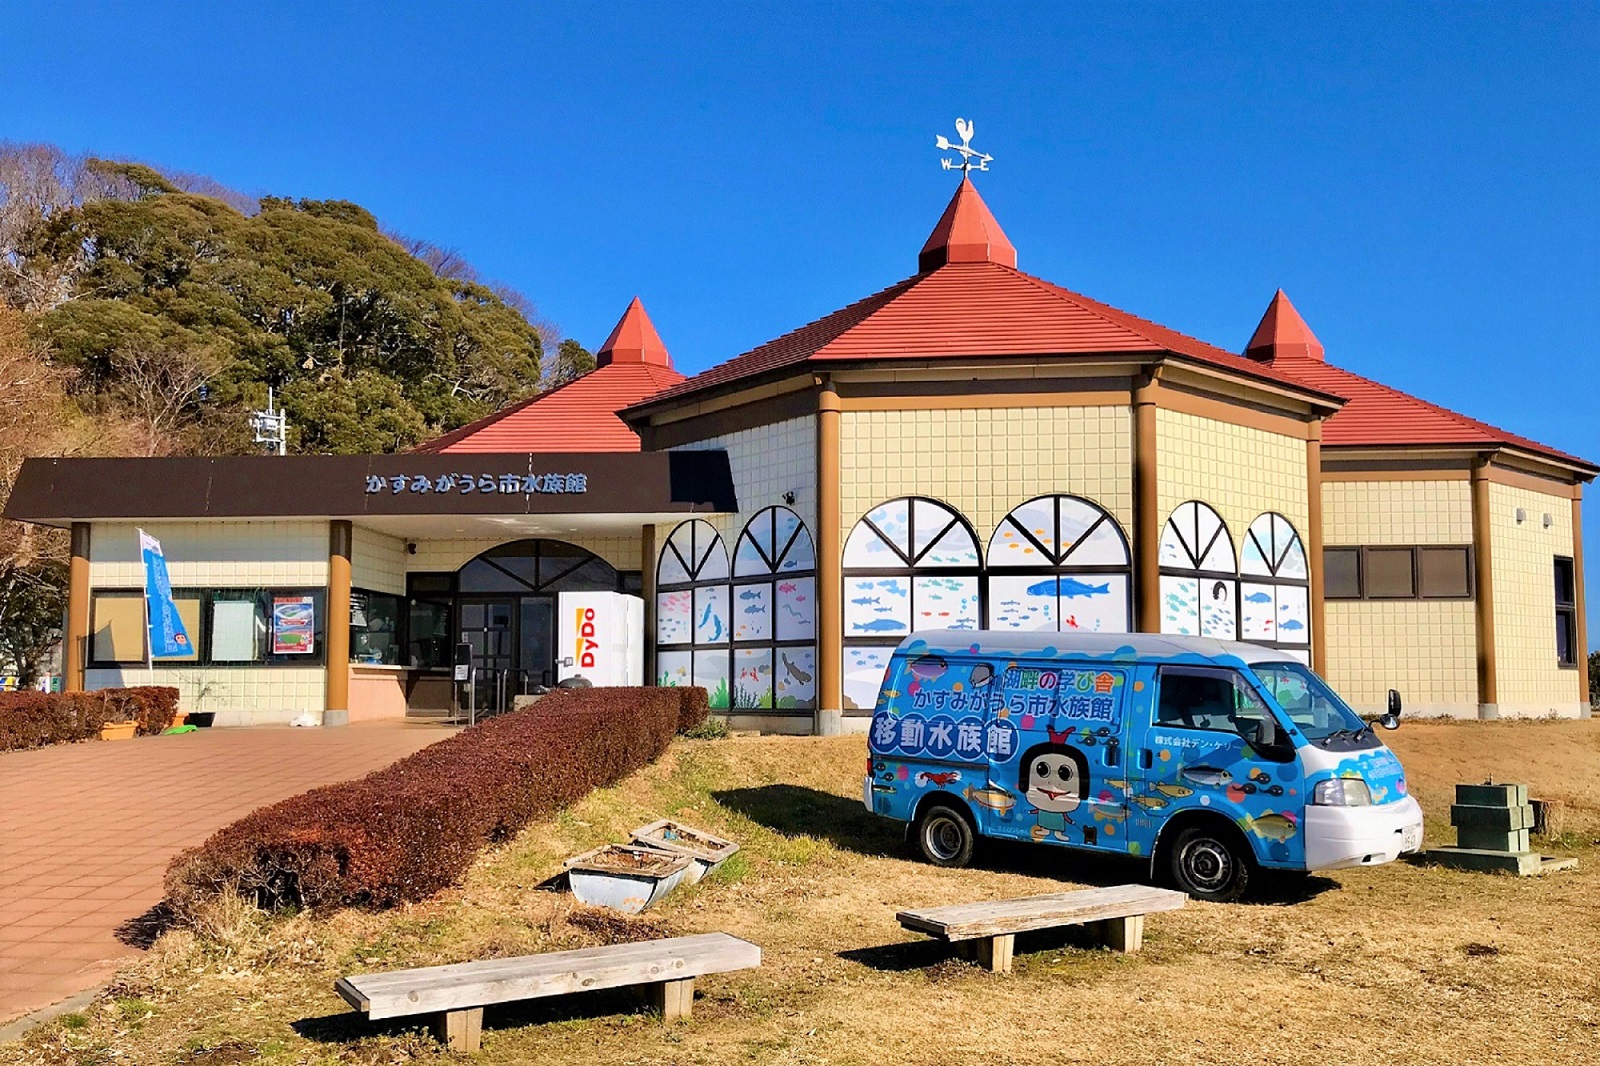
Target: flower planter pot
(118,730)
(707,851)
(625,877)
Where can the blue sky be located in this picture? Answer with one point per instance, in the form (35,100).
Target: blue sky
(1420,178)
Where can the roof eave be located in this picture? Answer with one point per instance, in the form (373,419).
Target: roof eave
(1571,466)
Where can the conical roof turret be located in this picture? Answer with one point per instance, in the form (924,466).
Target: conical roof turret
(967,233)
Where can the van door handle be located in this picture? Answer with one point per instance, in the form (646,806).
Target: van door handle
(1147,758)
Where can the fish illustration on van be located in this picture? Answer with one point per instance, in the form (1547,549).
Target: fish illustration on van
(1175,791)
(940,778)
(1150,803)
(1207,776)
(1270,826)
(996,799)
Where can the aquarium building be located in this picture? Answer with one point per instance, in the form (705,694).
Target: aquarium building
(970,447)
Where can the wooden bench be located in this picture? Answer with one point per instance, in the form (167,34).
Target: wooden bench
(456,994)
(987,932)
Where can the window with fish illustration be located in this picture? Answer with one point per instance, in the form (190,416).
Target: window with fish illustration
(1274,592)
(693,611)
(910,563)
(1199,589)
(774,613)
(1060,563)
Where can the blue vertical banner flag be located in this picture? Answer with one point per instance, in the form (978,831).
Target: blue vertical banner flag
(168,638)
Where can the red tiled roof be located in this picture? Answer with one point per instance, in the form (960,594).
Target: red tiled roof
(971,309)
(581,415)
(1376,414)
(969,300)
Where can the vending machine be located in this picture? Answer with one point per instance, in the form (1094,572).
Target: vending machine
(600,638)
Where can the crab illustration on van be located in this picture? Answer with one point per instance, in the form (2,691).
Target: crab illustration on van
(1211,760)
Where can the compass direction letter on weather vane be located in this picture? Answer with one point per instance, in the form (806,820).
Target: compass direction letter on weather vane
(971,158)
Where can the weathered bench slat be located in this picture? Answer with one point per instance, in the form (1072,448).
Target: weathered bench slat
(475,984)
(968,921)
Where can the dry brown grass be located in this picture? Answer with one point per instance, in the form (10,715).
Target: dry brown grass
(1402,963)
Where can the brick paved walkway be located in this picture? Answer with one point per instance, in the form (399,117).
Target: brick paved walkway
(86,831)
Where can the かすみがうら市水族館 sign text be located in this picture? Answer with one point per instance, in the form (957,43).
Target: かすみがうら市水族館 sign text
(487,484)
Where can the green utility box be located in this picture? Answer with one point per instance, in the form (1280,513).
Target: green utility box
(1493,823)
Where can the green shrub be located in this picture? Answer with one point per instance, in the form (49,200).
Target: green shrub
(402,833)
(710,729)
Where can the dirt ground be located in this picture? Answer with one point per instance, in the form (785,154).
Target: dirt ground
(1405,963)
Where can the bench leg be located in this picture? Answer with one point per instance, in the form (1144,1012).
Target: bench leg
(1120,934)
(674,999)
(459,1030)
(992,953)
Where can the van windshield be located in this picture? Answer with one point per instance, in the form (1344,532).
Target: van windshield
(1308,701)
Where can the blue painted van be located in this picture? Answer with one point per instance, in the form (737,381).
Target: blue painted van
(1209,758)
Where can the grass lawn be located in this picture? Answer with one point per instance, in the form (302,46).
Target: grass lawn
(1402,963)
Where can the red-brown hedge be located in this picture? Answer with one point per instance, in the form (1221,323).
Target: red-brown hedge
(35,719)
(404,832)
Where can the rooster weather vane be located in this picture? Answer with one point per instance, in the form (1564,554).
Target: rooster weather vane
(971,158)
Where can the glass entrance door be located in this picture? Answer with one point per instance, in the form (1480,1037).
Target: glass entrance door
(489,626)
(537,643)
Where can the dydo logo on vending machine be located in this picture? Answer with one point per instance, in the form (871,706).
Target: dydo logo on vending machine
(585,644)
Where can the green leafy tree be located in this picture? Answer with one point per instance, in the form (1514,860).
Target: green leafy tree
(369,347)
(1594,678)
(33,600)
(571,360)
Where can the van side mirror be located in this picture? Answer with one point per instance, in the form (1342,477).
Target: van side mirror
(1391,720)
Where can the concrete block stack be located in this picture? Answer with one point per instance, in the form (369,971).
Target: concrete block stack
(1492,825)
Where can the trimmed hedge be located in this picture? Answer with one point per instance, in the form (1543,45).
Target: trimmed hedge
(402,833)
(36,719)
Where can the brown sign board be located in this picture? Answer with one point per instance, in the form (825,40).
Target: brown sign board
(58,491)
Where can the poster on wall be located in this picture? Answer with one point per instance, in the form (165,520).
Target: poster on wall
(293,625)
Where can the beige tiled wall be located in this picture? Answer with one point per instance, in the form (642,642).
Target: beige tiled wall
(766,461)
(1529,681)
(1425,648)
(1241,472)
(213,554)
(378,561)
(244,554)
(1428,649)
(1397,512)
(246,695)
(985,462)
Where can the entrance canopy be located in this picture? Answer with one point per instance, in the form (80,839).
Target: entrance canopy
(489,495)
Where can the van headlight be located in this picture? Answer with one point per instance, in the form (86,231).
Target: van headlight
(1342,792)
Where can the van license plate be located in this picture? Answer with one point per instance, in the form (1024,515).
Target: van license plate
(1410,838)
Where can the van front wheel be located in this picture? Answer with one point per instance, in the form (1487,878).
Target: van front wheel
(945,837)
(1208,865)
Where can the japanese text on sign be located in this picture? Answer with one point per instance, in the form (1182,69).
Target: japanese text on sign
(466,484)
(943,737)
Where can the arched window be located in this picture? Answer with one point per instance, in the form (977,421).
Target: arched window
(1199,590)
(693,627)
(774,613)
(1274,590)
(1059,562)
(910,563)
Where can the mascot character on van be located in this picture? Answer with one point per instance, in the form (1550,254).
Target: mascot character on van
(1055,780)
